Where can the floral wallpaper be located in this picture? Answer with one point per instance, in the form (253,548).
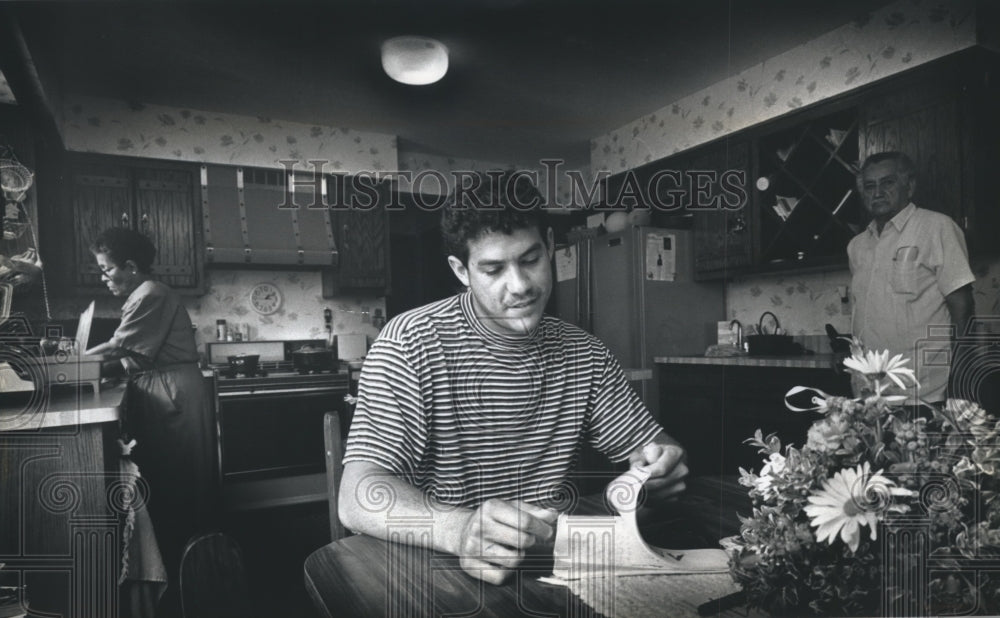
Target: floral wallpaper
(6,95)
(899,36)
(300,315)
(140,130)
(804,303)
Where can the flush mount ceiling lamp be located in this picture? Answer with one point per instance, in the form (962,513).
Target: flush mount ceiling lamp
(414,60)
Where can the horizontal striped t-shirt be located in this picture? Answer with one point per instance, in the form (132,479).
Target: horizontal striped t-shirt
(467,414)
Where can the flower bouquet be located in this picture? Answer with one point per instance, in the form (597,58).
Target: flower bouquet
(886,509)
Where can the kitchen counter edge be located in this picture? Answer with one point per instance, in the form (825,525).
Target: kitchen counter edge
(816,361)
(81,407)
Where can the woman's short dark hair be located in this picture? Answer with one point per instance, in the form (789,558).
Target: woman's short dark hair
(122,244)
(494,203)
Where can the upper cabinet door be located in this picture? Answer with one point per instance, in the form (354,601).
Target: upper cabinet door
(723,230)
(944,117)
(165,212)
(155,199)
(924,121)
(102,198)
(362,231)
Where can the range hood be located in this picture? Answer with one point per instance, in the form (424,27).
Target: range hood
(250,218)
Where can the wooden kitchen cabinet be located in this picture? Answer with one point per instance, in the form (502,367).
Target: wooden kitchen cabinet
(723,232)
(808,208)
(158,199)
(944,117)
(712,409)
(361,228)
(804,206)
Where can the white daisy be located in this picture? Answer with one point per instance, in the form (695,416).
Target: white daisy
(878,365)
(849,500)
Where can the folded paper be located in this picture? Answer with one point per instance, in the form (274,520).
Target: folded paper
(588,546)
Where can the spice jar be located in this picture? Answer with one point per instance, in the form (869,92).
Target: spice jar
(221,331)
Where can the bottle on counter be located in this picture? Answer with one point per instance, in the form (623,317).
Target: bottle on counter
(221,330)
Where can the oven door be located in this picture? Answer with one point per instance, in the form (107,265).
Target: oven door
(270,434)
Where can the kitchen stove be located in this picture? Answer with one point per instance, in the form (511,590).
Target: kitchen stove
(270,425)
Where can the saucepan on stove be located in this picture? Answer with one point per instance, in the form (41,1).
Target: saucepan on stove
(309,358)
(245,364)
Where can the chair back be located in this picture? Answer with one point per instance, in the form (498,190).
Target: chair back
(213,579)
(332,437)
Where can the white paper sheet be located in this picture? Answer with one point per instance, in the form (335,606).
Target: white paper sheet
(661,261)
(566,260)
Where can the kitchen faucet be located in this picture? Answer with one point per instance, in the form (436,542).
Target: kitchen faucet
(739,332)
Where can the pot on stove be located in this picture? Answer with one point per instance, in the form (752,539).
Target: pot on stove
(245,364)
(310,358)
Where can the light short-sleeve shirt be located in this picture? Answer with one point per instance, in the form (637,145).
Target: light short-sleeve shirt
(899,281)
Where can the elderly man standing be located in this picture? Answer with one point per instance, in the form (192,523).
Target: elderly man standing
(910,275)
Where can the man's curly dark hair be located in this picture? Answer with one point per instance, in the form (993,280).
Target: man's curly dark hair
(493,203)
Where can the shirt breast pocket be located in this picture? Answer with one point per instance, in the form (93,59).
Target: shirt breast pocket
(905,271)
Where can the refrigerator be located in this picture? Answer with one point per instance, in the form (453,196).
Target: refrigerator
(635,290)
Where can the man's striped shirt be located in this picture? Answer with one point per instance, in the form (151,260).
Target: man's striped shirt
(467,414)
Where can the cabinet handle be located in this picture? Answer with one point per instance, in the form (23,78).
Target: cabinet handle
(125,219)
(144,224)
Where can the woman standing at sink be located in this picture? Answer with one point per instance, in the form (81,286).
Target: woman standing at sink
(166,404)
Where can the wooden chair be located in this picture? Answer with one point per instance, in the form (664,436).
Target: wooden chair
(334,470)
(213,579)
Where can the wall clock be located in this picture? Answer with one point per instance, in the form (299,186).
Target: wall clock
(265,298)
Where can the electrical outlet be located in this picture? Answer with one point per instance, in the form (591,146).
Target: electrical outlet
(845,299)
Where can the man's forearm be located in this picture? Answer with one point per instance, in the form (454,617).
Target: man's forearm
(961,306)
(661,438)
(378,503)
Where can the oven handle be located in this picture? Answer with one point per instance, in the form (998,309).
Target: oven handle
(282,391)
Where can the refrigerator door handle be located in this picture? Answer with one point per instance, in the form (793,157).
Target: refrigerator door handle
(584,306)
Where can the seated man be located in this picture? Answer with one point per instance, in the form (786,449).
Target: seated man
(472,410)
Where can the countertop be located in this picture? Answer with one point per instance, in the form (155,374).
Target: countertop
(65,408)
(812,361)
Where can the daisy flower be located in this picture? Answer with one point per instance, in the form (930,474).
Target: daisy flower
(851,499)
(877,365)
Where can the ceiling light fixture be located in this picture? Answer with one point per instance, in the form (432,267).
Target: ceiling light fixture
(414,60)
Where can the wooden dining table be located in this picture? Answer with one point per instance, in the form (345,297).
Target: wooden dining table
(363,576)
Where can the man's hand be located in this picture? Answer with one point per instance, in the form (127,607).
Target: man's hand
(666,466)
(496,535)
